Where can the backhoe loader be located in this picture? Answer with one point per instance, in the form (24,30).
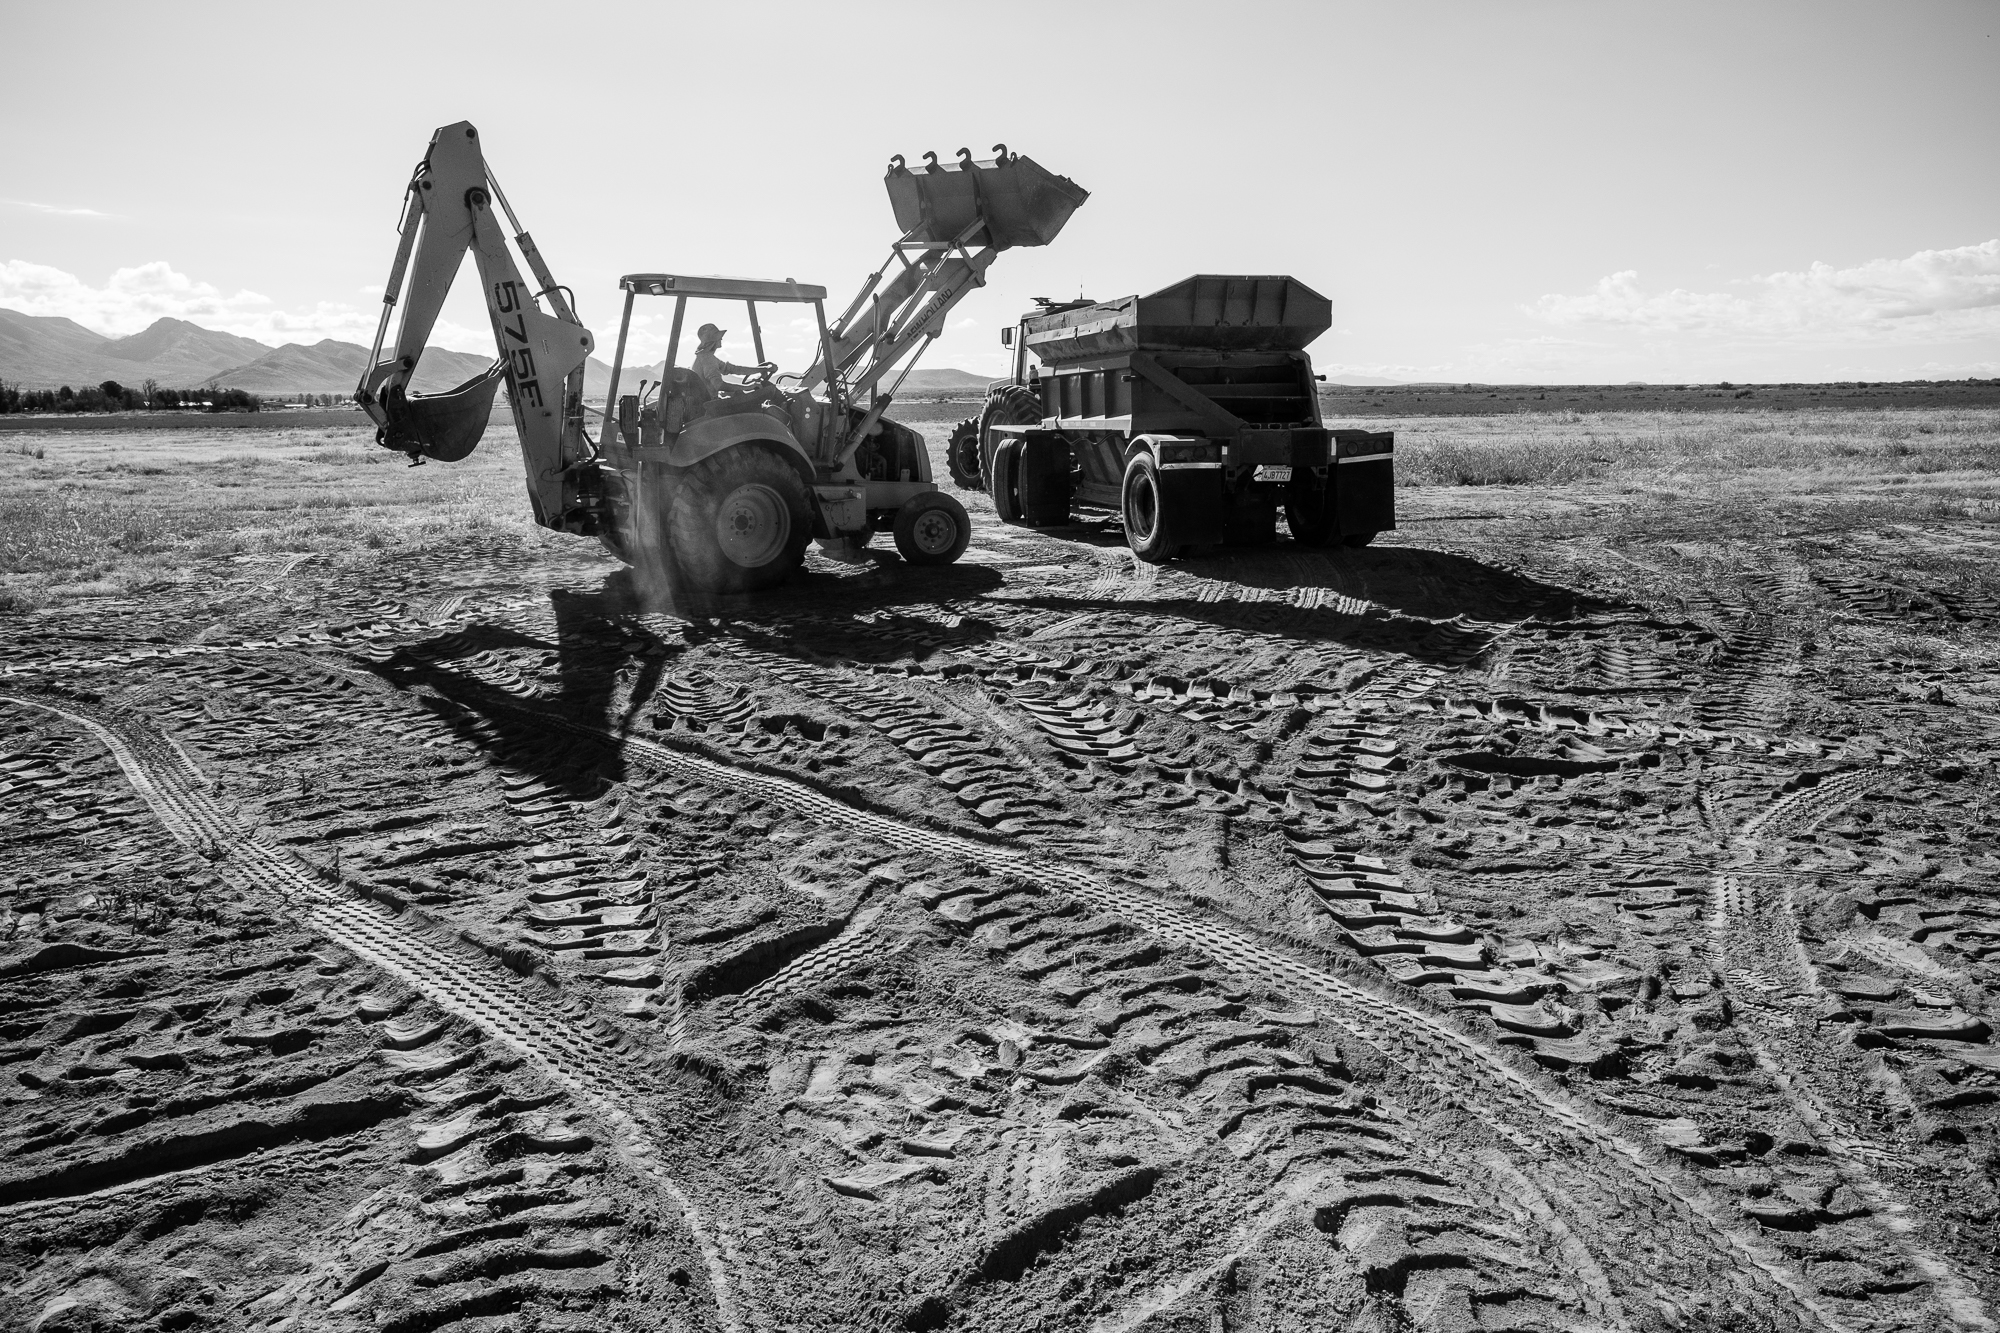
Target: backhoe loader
(719,490)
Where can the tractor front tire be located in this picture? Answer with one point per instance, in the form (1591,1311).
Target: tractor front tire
(738,521)
(961,455)
(932,529)
(1150,529)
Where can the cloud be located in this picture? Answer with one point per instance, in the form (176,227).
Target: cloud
(54,209)
(1933,294)
(451,336)
(133,298)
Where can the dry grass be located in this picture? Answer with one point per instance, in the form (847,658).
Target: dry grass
(109,514)
(1749,448)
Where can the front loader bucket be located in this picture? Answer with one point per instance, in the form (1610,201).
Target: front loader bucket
(445,426)
(1023,202)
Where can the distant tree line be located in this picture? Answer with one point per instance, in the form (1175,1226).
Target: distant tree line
(111,396)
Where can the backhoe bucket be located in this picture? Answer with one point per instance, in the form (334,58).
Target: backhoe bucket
(1022,201)
(445,426)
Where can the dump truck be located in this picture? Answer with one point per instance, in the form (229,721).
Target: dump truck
(1192,414)
(720,487)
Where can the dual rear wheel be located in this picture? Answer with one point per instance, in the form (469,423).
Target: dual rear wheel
(1156,533)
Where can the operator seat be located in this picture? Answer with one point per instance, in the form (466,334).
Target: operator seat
(684,397)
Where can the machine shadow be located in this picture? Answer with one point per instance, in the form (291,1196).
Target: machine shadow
(608,661)
(569,737)
(1411,580)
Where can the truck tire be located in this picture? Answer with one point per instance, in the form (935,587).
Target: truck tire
(738,521)
(1010,405)
(1003,480)
(1149,520)
(1309,513)
(1357,540)
(932,529)
(961,455)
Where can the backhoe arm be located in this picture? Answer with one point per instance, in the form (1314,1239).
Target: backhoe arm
(449,210)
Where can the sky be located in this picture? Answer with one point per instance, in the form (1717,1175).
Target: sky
(1501,192)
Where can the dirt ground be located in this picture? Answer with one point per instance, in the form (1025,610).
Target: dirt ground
(1574,912)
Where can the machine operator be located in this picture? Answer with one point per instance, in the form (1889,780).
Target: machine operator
(711,367)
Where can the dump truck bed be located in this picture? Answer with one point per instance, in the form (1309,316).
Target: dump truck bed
(1207,312)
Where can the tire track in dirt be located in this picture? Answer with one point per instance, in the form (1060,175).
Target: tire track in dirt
(1350,756)
(1586,1160)
(597,890)
(477,994)
(975,768)
(1393,683)
(1756,946)
(1760,655)
(1221,1081)
(1351,1155)
(1179,927)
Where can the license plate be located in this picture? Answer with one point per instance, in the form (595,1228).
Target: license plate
(1274,472)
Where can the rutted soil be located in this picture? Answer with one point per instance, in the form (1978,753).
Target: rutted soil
(1449,935)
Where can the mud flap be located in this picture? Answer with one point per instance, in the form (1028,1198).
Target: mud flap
(1193,500)
(1042,482)
(1364,497)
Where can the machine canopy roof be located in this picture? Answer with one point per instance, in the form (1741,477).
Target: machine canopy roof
(724,289)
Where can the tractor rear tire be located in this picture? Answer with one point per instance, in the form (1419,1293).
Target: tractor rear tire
(1149,522)
(738,521)
(932,529)
(1011,405)
(1357,540)
(961,455)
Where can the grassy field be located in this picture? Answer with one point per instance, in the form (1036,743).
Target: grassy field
(1951,454)
(106,513)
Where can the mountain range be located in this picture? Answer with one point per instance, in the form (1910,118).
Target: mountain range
(45,351)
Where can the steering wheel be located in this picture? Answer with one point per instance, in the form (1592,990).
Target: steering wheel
(759,374)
